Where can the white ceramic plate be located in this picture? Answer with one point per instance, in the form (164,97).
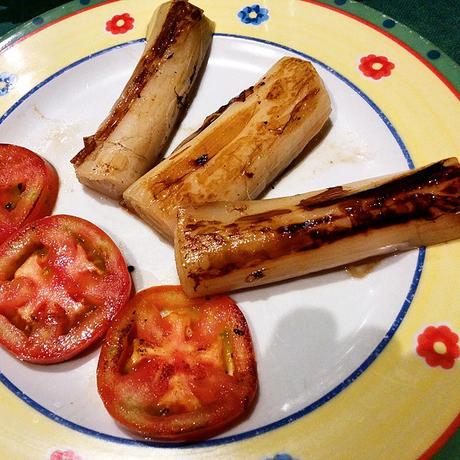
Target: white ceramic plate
(313,336)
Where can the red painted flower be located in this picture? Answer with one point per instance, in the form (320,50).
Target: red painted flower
(64,455)
(376,67)
(439,346)
(120,24)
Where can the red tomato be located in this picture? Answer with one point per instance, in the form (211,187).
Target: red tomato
(28,188)
(62,279)
(175,368)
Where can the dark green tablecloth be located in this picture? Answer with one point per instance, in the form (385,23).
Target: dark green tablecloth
(436,20)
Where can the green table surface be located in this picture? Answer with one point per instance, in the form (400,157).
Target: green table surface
(436,20)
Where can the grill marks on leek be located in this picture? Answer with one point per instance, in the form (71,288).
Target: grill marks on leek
(238,150)
(232,245)
(133,136)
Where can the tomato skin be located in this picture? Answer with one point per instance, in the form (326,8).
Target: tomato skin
(38,185)
(180,389)
(47,313)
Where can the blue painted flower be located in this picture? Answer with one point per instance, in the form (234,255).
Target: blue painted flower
(254,15)
(6,83)
(281,457)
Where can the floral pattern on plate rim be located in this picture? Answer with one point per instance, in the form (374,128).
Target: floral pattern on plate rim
(64,455)
(7,81)
(120,24)
(438,345)
(253,15)
(376,67)
(282,456)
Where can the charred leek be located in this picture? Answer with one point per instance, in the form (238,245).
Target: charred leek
(226,246)
(131,139)
(239,149)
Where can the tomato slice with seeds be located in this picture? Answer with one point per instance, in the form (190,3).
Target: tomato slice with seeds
(177,369)
(28,188)
(62,279)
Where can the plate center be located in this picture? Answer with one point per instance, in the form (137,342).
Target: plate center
(312,334)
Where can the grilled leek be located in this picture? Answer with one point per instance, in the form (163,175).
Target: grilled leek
(239,149)
(133,136)
(225,246)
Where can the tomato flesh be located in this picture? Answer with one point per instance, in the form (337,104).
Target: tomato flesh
(61,281)
(177,369)
(28,188)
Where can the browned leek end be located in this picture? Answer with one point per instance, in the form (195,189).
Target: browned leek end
(225,246)
(133,136)
(239,149)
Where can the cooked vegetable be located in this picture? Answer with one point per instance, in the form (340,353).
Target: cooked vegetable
(28,188)
(225,246)
(239,149)
(177,369)
(62,279)
(132,138)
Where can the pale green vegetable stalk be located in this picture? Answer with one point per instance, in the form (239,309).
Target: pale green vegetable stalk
(225,246)
(239,149)
(134,135)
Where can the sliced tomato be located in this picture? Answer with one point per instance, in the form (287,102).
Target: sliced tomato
(28,188)
(177,369)
(62,279)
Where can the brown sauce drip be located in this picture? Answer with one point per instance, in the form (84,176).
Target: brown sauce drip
(362,269)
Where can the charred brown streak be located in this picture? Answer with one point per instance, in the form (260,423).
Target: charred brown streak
(214,116)
(260,217)
(193,74)
(180,19)
(431,175)
(370,214)
(256,275)
(181,103)
(300,105)
(171,181)
(329,196)
(201,223)
(201,160)
(198,277)
(295,113)
(394,203)
(292,229)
